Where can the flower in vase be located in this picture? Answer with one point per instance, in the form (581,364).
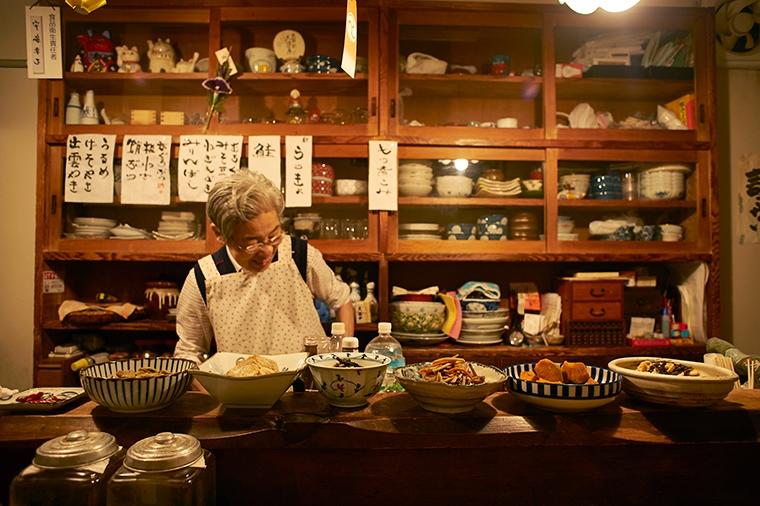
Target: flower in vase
(219,88)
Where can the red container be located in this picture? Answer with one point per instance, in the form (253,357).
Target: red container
(324,170)
(321,186)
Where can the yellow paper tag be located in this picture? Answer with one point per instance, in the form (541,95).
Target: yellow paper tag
(348,63)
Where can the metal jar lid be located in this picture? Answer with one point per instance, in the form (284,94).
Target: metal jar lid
(165,451)
(77,448)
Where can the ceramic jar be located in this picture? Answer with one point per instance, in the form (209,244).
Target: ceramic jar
(89,111)
(160,297)
(523,226)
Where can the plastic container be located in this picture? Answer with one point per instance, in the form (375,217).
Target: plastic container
(385,344)
(337,332)
(167,469)
(350,344)
(69,470)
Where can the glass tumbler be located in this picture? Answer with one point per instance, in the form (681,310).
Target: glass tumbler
(349,229)
(630,186)
(331,228)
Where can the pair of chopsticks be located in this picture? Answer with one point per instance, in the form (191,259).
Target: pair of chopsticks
(752,366)
(720,360)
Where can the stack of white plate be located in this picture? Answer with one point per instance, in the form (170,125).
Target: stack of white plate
(415,179)
(419,231)
(125,231)
(483,327)
(420,339)
(176,226)
(86,227)
(490,188)
(671,233)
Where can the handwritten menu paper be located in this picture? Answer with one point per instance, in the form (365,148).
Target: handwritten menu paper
(43,43)
(205,159)
(264,157)
(298,171)
(348,62)
(383,178)
(145,169)
(89,168)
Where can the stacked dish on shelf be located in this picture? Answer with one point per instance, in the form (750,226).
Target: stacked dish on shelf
(573,186)
(415,179)
(483,327)
(491,188)
(417,319)
(125,231)
(663,182)
(419,231)
(175,226)
(88,227)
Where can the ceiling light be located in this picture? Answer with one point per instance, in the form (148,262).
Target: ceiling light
(589,6)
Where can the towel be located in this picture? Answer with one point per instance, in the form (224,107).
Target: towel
(397,290)
(69,306)
(452,326)
(480,290)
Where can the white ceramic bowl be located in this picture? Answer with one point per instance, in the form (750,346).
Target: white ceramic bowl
(348,387)
(564,397)
(417,317)
(248,392)
(136,395)
(453,186)
(565,226)
(350,187)
(415,190)
(443,398)
(713,384)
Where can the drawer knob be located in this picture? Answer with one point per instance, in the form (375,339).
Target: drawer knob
(601,292)
(597,313)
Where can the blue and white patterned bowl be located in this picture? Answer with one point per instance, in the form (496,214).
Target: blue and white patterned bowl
(348,387)
(564,397)
(136,395)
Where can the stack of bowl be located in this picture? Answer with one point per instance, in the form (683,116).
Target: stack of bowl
(492,227)
(415,179)
(606,187)
(350,187)
(461,231)
(490,188)
(565,227)
(423,318)
(671,233)
(574,186)
(523,226)
(322,177)
(453,186)
(483,327)
(419,231)
(664,182)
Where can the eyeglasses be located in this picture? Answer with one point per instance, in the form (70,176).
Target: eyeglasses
(255,246)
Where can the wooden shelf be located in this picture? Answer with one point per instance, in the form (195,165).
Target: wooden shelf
(613,89)
(481,86)
(626,205)
(310,84)
(470,201)
(138,83)
(627,252)
(126,326)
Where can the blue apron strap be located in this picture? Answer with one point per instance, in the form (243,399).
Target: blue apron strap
(223,265)
(299,249)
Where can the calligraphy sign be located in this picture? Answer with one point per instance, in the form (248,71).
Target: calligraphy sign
(383,175)
(145,169)
(89,168)
(298,171)
(204,160)
(43,43)
(264,157)
(348,62)
(748,199)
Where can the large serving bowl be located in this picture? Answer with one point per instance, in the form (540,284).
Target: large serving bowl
(348,387)
(136,395)
(444,398)
(259,392)
(712,385)
(417,317)
(564,397)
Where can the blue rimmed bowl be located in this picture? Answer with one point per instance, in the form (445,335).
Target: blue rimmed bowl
(137,395)
(348,387)
(564,397)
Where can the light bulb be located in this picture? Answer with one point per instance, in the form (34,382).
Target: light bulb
(461,164)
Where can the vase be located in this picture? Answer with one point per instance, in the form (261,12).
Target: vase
(74,109)
(89,112)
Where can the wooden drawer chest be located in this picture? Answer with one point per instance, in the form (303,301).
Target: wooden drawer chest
(592,311)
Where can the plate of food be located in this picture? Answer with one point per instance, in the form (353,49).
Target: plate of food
(569,387)
(675,382)
(42,399)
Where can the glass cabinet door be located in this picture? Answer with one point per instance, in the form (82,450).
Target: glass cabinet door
(466,77)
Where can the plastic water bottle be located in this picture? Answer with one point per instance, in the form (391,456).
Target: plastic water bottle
(385,344)
(338,332)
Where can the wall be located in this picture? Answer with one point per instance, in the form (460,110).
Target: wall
(18,134)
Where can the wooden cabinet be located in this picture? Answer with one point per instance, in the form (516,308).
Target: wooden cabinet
(433,117)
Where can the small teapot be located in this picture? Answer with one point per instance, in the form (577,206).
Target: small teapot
(186,65)
(161,55)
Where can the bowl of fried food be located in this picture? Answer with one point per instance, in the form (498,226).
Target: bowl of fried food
(348,379)
(239,380)
(450,384)
(675,382)
(569,387)
(137,385)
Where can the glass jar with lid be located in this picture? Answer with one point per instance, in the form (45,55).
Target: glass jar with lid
(69,470)
(168,469)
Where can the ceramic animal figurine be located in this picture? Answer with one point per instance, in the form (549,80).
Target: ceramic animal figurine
(128,59)
(96,51)
(186,65)
(161,55)
(76,65)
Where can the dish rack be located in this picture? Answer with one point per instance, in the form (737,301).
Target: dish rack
(602,333)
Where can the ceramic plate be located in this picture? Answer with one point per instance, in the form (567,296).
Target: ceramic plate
(479,342)
(427,227)
(67,395)
(288,44)
(98,222)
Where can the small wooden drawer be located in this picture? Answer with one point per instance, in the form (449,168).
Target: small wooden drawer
(596,311)
(597,290)
(642,301)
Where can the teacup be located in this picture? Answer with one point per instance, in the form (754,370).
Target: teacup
(261,59)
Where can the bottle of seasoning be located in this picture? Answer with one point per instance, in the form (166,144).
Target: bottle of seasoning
(69,470)
(306,381)
(167,468)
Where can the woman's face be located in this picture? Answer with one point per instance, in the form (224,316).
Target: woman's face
(254,242)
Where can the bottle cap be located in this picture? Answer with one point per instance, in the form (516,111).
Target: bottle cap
(384,327)
(350,343)
(338,328)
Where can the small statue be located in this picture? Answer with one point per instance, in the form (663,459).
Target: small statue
(183,66)
(161,56)
(76,65)
(296,113)
(128,59)
(96,51)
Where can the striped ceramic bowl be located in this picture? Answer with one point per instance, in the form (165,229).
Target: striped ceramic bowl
(136,395)
(564,397)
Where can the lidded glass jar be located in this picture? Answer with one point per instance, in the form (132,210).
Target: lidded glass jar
(168,469)
(69,470)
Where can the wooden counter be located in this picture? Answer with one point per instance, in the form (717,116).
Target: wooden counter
(304,451)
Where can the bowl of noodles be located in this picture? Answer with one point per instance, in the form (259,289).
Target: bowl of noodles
(240,380)
(450,384)
(137,385)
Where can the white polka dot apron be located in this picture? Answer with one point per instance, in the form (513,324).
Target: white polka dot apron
(266,313)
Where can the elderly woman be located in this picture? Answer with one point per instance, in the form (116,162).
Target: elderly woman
(255,294)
